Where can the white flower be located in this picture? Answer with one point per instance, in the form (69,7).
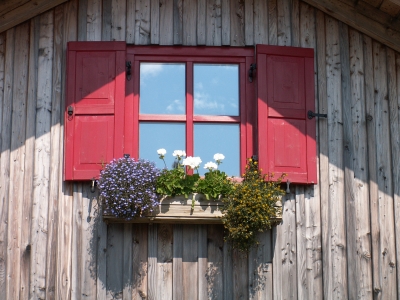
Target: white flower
(218,157)
(161,152)
(192,162)
(211,166)
(179,153)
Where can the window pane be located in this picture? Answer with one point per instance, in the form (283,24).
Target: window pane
(218,138)
(154,136)
(216,89)
(162,88)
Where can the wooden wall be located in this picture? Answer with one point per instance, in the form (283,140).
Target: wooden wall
(338,239)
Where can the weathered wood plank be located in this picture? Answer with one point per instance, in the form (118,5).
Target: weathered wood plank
(362,246)
(106,19)
(214,260)
(177,265)
(237,23)
(261,20)
(214,22)
(387,255)
(76,261)
(177,21)
(249,20)
(152,288)
(201,22)
(295,22)
(284,23)
(302,282)
(82,20)
(225,22)
(55,142)
(127,274)
(164,261)
(101,255)
(26,11)
(139,261)
(189,262)
(240,275)
(272,22)
(39,221)
(336,242)
(166,18)
(114,283)
(189,20)
(227,271)
(202,262)
(130,21)
(118,20)
(142,26)
(94,20)
(155,22)
(6,108)
(17,167)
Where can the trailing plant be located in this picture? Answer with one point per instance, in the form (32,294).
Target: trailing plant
(128,187)
(249,208)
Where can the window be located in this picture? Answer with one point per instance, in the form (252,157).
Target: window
(198,99)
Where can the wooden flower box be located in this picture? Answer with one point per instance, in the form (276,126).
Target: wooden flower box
(179,210)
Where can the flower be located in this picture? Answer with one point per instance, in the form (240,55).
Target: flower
(192,162)
(211,166)
(218,157)
(179,153)
(161,152)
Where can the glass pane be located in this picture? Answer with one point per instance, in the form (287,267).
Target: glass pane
(154,136)
(162,88)
(216,90)
(218,138)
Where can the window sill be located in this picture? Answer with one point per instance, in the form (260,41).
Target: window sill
(179,210)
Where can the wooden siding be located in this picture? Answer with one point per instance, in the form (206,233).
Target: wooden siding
(338,239)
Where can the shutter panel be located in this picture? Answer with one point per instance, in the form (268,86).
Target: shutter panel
(285,89)
(95,99)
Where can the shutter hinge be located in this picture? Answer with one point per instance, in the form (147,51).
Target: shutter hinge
(253,67)
(128,70)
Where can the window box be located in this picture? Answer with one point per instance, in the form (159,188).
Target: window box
(179,210)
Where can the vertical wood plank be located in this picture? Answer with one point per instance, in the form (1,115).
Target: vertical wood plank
(76,262)
(394,102)
(155,22)
(152,287)
(387,256)
(189,262)
(164,261)
(201,22)
(139,261)
(249,21)
(284,23)
(55,139)
(177,265)
(372,163)
(214,19)
(361,239)
(94,20)
(214,276)
(29,157)
(65,205)
(7,84)
(225,6)
(131,21)
(82,20)
(177,21)
(114,283)
(127,262)
(202,262)
(17,154)
(166,19)
(302,283)
(142,26)
(240,274)
(261,19)
(106,20)
(118,20)
(40,220)
(227,271)
(101,255)
(295,23)
(272,22)
(237,23)
(336,247)
(189,21)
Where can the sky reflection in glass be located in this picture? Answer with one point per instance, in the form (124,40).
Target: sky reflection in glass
(153,136)
(218,138)
(162,88)
(216,89)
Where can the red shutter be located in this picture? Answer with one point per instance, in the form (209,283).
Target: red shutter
(285,89)
(94,113)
